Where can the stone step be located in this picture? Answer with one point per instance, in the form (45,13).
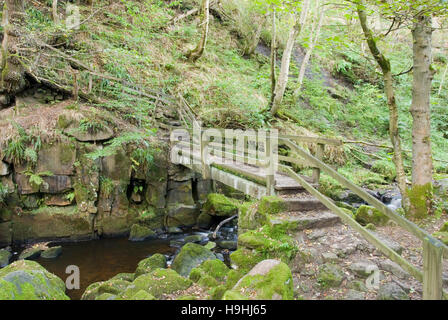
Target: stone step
(307,220)
(306,203)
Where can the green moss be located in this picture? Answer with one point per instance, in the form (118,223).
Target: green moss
(421,200)
(208,281)
(161,281)
(367,214)
(250,218)
(196,274)
(271,205)
(444,228)
(215,268)
(442,236)
(217,293)
(187,297)
(28,280)
(140,233)
(150,264)
(124,276)
(385,168)
(233,295)
(245,259)
(232,278)
(219,205)
(190,256)
(276,284)
(112,286)
(142,295)
(330,275)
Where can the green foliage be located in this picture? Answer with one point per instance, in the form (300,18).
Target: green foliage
(3,193)
(36,179)
(23,147)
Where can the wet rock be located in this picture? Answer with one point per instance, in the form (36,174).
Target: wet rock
(174,230)
(354,295)
(57,158)
(268,280)
(193,238)
(150,264)
(180,192)
(27,280)
(182,215)
(30,254)
(367,214)
(24,186)
(56,184)
(52,252)
(210,245)
(4,257)
(227,244)
(191,255)
(140,233)
(204,221)
(391,291)
(363,268)
(58,200)
(96,290)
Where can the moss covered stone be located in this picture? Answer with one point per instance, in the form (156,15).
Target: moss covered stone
(272,205)
(28,280)
(444,228)
(233,295)
(221,206)
(250,218)
(210,273)
(245,259)
(148,265)
(217,293)
(268,280)
(385,168)
(112,286)
(190,256)
(52,252)
(367,214)
(142,295)
(442,236)
(124,276)
(204,220)
(330,275)
(420,198)
(161,281)
(30,254)
(140,233)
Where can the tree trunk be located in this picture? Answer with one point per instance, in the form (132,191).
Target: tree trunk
(315,36)
(273,54)
(391,102)
(13,73)
(422,167)
(196,53)
(282,81)
(54,8)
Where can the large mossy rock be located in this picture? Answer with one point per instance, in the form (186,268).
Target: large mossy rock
(367,214)
(28,280)
(156,261)
(330,276)
(190,256)
(268,280)
(140,233)
(210,273)
(219,205)
(244,259)
(159,282)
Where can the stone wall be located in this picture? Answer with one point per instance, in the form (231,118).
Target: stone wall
(85,199)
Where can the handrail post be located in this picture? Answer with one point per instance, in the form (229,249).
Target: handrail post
(270,178)
(206,172)
(432,270)
(319,155)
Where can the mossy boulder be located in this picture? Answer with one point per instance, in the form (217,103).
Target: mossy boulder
(268,280)
(52,252)
(28,280)
(190,256)
(140,233)
(112,286)
(272,205)
(160,282)
(250,218)
(367,214)
(385,168)
(148,265)
(142,295)
(219,205)
(442,236)
(124,276)
(204,220)
(30,254)
(5,255)
(244,259)
(210,273)
(444,228)
(330,275)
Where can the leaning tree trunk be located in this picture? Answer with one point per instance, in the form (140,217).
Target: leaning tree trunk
(13,73)
(273,54)
(391,102)
(282,81)
(196,53)
(422,167)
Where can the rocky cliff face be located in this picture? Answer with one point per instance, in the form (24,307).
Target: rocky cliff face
(65,194)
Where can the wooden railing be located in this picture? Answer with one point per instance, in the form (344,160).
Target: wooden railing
(433,250)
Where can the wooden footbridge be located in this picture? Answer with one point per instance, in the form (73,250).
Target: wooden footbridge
(247,163)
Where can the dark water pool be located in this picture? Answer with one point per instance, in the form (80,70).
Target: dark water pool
(100,260)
